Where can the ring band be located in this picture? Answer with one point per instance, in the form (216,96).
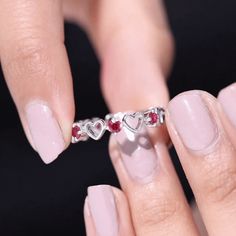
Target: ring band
(95,128)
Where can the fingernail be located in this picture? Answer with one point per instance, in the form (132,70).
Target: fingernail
(45,131)
(102,207)
(137,153)
(193,121)
(227,98)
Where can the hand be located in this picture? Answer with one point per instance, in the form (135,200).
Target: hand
(203,131)
(132,41)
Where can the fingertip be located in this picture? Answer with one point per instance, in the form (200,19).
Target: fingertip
(90,228)
(87,212)
(44,130)
(227,99)
(102,205)
(226,89)
(107,211)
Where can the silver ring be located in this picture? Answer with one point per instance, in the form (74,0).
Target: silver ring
(114,123)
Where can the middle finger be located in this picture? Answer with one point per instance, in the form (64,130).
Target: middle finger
(146,174)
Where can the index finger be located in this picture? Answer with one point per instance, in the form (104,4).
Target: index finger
(37,72)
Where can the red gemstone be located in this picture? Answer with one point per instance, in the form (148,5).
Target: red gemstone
(75,132)
(98,126)
(154,118)
(114,127)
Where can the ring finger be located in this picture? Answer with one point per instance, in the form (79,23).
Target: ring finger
(146,174)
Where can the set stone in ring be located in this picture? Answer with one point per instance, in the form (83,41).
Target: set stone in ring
(95,128)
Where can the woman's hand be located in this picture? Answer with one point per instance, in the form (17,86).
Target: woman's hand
(203,131)
(133,43)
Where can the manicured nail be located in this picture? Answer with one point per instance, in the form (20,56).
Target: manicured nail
(137,153)
(227,98)
(102,207)
(193,121)
(45,131)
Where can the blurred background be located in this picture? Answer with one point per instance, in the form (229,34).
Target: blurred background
(36,199)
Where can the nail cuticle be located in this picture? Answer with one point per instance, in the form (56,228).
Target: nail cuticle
(211,146)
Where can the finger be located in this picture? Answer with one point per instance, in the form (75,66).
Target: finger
(37,72)
(106,212)
(207,156)
(89,225)
(147,176)
(135,48)
(136,51)
(227,98)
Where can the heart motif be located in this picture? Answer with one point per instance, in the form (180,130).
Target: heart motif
(95,129)
(77,133)
(133,122)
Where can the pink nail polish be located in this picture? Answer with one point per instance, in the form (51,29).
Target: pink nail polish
(138,154)
(227,98)
(45,131)
(102,207)
(193,121)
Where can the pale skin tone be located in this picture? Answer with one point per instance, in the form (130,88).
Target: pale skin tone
(35,64)
(135,47)
(159,207)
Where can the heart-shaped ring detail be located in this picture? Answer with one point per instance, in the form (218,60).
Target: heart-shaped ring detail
(77,133)
(95,129)
(133,122)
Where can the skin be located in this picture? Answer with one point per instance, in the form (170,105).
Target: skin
(35,66)
(159,207)
(35,63)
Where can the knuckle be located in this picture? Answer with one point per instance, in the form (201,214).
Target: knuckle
(156,211)
(221,183)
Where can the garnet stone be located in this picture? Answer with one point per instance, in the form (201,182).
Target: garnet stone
(75,132)
(114,126)
(153,118)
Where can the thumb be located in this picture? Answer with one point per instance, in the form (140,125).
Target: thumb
(135,48)
(136,51)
